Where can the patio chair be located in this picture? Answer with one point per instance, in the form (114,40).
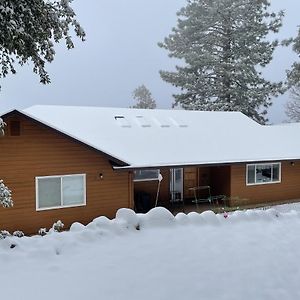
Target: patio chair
(202,199)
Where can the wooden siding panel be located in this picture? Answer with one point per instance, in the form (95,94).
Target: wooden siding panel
(190,180)
(288,189)
(40,151)
(220,180)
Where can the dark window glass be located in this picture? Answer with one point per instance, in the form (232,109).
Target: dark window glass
(251,174)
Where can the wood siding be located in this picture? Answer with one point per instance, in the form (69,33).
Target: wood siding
(288,189)
(190,180)
(41,151)
(220,177)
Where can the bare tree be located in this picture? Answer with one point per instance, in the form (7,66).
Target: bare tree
(292,108)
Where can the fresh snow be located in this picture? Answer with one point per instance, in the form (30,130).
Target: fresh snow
(251,254)
(124,133)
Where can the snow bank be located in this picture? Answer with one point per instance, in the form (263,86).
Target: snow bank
(127,221)
(157,256)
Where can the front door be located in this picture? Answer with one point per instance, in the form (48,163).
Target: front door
(176,184)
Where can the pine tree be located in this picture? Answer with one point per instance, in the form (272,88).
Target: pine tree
(223,47)
(293,106)
(143,97)
(294,73)
(28,30)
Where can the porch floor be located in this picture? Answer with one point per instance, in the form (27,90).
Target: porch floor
(219,208)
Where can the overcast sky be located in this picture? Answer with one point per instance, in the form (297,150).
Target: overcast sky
(120,54)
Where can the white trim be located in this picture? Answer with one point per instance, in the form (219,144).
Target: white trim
(263,164)
(61,192)
(171,183)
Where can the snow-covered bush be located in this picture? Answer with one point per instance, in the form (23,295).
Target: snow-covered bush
(58,226)
(4,234)
(42,231)
(2,125)
(5,195)
(18,233)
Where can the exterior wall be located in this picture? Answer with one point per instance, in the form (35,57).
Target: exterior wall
(190,178)
(41,151)
(220,177)
(288,189)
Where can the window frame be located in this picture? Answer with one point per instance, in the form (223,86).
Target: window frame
(61,192)
(263,164)
(146,179)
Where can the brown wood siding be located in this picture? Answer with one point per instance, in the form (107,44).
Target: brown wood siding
(220,180)
(190,180)
(288,189)
(40,151)
(150,187)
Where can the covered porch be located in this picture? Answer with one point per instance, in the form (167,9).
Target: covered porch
(182,189)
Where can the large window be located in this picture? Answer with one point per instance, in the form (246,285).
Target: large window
(263,173)
(146,174)
(60,191)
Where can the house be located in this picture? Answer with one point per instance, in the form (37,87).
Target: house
(76,163)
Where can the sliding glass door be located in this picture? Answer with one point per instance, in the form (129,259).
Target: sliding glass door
(176,184)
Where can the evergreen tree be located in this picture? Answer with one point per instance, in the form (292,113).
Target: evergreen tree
(293,106)
(294,73)
(223,47)
(28,30)
(143,97)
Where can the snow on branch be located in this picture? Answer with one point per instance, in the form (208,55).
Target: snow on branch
(5,195)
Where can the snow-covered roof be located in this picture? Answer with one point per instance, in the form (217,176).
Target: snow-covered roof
(150,138)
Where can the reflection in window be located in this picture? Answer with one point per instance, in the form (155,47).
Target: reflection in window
(60,191)
(263,173)
(146,174)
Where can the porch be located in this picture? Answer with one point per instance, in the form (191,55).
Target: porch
(183,189)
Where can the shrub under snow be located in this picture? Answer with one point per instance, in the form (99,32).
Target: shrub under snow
(5,195)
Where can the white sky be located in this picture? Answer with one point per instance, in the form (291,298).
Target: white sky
(120,54)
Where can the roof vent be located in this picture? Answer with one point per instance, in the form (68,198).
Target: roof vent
(142,121)
(179,122)
(122,121)
(162,122)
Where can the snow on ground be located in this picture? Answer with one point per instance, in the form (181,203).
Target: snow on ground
(252,254)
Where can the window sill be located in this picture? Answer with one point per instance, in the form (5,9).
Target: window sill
(60,207)
(262,183)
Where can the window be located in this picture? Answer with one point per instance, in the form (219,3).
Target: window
(143,121)
(60,191)
(263,173)
(122,121)
(146,175)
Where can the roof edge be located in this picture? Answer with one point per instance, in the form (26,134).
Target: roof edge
(114,160)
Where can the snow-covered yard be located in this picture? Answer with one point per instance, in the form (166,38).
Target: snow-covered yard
(251,254)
